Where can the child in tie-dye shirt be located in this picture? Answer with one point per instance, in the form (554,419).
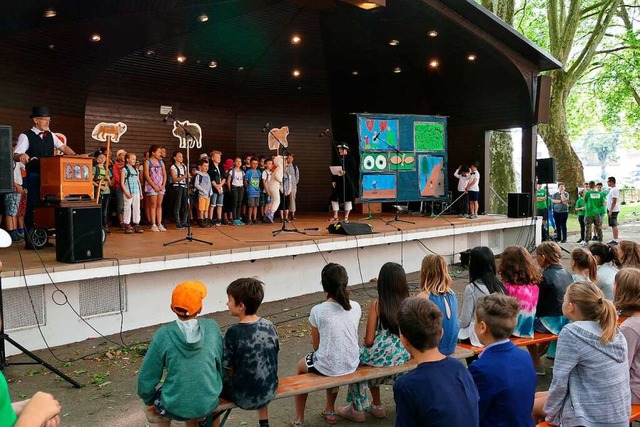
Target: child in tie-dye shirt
(521,277)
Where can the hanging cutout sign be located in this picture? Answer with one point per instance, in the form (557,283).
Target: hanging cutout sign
(193,137)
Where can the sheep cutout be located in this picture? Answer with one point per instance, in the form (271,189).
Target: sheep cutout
(103,130)
(193,136)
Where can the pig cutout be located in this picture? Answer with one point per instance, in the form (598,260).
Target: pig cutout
(104,130)
(195,131)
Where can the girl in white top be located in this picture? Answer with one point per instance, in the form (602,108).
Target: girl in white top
(334,332)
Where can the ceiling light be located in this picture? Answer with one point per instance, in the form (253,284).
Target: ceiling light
(213,64)
(95,37)
(296,73)
(397,70)
(203,18)
(354,73)
(49,12)
(432,33)
(471,57)
(367,4)
(52,46)
(295,39)
(241,68)
(434,63)
(394,42)
(181,59)
(149,53)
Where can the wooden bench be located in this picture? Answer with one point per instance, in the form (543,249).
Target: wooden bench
(307,383)
(635,415)
(538,338)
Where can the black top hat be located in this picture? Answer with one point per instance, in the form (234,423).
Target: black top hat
(40,112)
(476,164)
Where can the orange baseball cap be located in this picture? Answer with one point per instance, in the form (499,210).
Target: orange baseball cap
(187,297)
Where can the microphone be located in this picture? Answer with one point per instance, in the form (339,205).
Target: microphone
(266,127)
(167,116)
(324,132)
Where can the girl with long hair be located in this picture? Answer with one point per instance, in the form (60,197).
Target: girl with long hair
(334,333)
(521,277)
(608,266)
(482,281)
(435,283)
(382,345)
(627,301)
(590,384)
(584,266)
(155,179)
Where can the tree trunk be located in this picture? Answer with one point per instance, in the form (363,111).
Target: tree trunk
(556,136)
(502,177)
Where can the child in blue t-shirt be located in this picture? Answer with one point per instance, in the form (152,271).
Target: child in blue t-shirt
(439,392)
(250,350)
(253,178)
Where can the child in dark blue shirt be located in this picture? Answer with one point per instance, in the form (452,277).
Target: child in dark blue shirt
(250,351)
(504,374)
(440,391)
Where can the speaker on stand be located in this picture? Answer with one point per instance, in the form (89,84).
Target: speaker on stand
(6,161)
(518,205)
(546,172)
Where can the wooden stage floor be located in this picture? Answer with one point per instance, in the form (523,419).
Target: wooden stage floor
(138,248)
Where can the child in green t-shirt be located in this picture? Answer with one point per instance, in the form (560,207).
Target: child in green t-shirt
(580,210)
(594,200)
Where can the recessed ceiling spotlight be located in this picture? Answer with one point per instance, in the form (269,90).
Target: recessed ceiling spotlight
(354,73)
(149,53)
(52,46)
(203,18)
(95,37)
(472,57)
(432,33)
(49,12)
(394,42)
(295,39)
(296,73)
(241,68)
(181,59)
(397,70)
(213,64)
(434,63)
(299,87)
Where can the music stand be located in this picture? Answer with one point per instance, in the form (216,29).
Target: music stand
(283,228)
(189,237)
(5,242)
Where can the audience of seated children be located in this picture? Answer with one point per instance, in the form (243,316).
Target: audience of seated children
(188,352)
(554,283)
(382,346)
(521,277)
(435,284)
(590,385)
(334,332)
(483,281)
(627,301)
(583,266)
(504,374)
(251,348)
(628,253)
(608,266)
(440,391)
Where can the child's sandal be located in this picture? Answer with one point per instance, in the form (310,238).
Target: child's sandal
(330,417)
(297,423)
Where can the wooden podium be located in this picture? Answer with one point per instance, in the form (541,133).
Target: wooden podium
(63,177)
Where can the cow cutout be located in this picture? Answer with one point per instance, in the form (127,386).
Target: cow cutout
(278,134)
(195,139)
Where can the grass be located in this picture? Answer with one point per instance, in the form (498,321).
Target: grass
(629,211)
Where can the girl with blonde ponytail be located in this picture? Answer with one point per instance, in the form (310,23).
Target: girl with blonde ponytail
(592,357)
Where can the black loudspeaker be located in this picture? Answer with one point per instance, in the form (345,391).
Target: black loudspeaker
(518,205)
(543,100)
(6,163)
(546,171)
(78,233)
(350,229)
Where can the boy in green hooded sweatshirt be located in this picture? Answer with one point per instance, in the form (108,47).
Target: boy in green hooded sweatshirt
(190,350)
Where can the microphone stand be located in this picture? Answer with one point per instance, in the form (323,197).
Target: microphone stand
(396,206)
(283,228)
(189,237)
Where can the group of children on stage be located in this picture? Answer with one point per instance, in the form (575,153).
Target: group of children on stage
(595,376)
(237,192)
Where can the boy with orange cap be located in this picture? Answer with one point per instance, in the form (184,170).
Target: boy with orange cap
(190,350)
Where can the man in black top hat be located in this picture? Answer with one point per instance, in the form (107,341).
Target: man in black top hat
(33,145)
(343,184)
